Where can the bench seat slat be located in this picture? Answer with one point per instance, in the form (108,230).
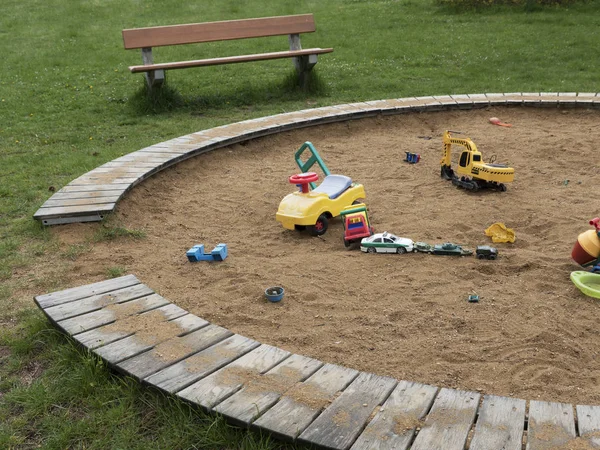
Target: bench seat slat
(217,31)
(229,60)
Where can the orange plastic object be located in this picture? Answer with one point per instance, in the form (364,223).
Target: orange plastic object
(496,121)
(500,233)
(587,248)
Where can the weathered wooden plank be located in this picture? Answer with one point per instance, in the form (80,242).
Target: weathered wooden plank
(122,171)
(259,394)
(230,60)
(173,144)
(342,421)
(300,405)
(146,157)
(86,180)
(109,314)
(60,211)
(82,195)
(113,332)
(89,304)
(219,385)
(217,31)
(159,332)
(79,292)
(394,425)
(182,374)
(60,202)
(172,149)
(500,425)
(589,424)
(448,424)
(174,350)
(134,163)
(95,188)
(551,425)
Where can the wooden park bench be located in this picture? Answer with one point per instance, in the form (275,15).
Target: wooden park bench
(293,26)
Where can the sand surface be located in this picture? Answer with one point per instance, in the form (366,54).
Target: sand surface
(532,335)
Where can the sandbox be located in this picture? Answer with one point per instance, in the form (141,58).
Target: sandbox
(532,335)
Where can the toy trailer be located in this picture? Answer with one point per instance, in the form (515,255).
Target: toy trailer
(356,224)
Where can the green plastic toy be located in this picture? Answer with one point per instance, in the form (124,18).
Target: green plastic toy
(587,282)
(314,158)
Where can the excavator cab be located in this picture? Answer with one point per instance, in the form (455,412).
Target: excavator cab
(465,159)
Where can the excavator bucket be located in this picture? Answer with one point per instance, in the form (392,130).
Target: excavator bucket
(447,173)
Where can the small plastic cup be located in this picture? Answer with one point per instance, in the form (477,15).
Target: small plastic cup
(274,294)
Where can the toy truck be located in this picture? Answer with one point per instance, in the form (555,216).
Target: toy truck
(356,224)
(486,252)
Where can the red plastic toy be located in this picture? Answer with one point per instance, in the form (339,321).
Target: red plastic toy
(303,180)
(356,224)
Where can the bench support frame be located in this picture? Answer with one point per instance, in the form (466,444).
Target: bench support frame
(303,64)
(154,78)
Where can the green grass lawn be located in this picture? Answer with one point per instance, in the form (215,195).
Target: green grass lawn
(68,104)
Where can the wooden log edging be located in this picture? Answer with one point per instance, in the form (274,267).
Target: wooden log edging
(296,398)
(95,194)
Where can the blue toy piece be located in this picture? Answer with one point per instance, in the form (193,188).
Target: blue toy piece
(219,253)
(196,253)
(412,158)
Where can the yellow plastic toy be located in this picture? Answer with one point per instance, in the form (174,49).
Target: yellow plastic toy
(472,173)
(499,233)
(311,210)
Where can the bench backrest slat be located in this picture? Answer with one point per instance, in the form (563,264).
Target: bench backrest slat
(217,31)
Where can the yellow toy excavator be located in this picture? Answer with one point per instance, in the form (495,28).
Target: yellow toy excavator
(472,173)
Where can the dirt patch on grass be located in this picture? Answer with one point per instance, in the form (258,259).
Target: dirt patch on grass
(532,334)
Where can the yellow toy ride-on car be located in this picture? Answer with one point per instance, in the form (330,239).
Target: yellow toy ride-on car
(311,210)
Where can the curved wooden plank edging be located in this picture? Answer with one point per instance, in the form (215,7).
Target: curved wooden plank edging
(297,398)
(95,194)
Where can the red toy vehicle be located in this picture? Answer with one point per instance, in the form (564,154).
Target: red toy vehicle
(356,224)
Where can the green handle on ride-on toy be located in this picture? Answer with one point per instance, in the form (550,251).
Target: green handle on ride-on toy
(314,158)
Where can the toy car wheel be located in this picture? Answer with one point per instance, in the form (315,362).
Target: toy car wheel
(492,257)
(371,250)
(480,256)
(347,244)
(320,227)
(400,250)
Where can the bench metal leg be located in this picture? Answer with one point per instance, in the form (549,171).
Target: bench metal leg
(154,78)
(304,65)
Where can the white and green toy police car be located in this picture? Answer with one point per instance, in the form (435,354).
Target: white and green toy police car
(386,243)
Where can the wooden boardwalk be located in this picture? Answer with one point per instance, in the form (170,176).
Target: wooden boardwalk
(95,194)
(142,334)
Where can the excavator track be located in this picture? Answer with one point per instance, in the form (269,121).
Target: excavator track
(475,185)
